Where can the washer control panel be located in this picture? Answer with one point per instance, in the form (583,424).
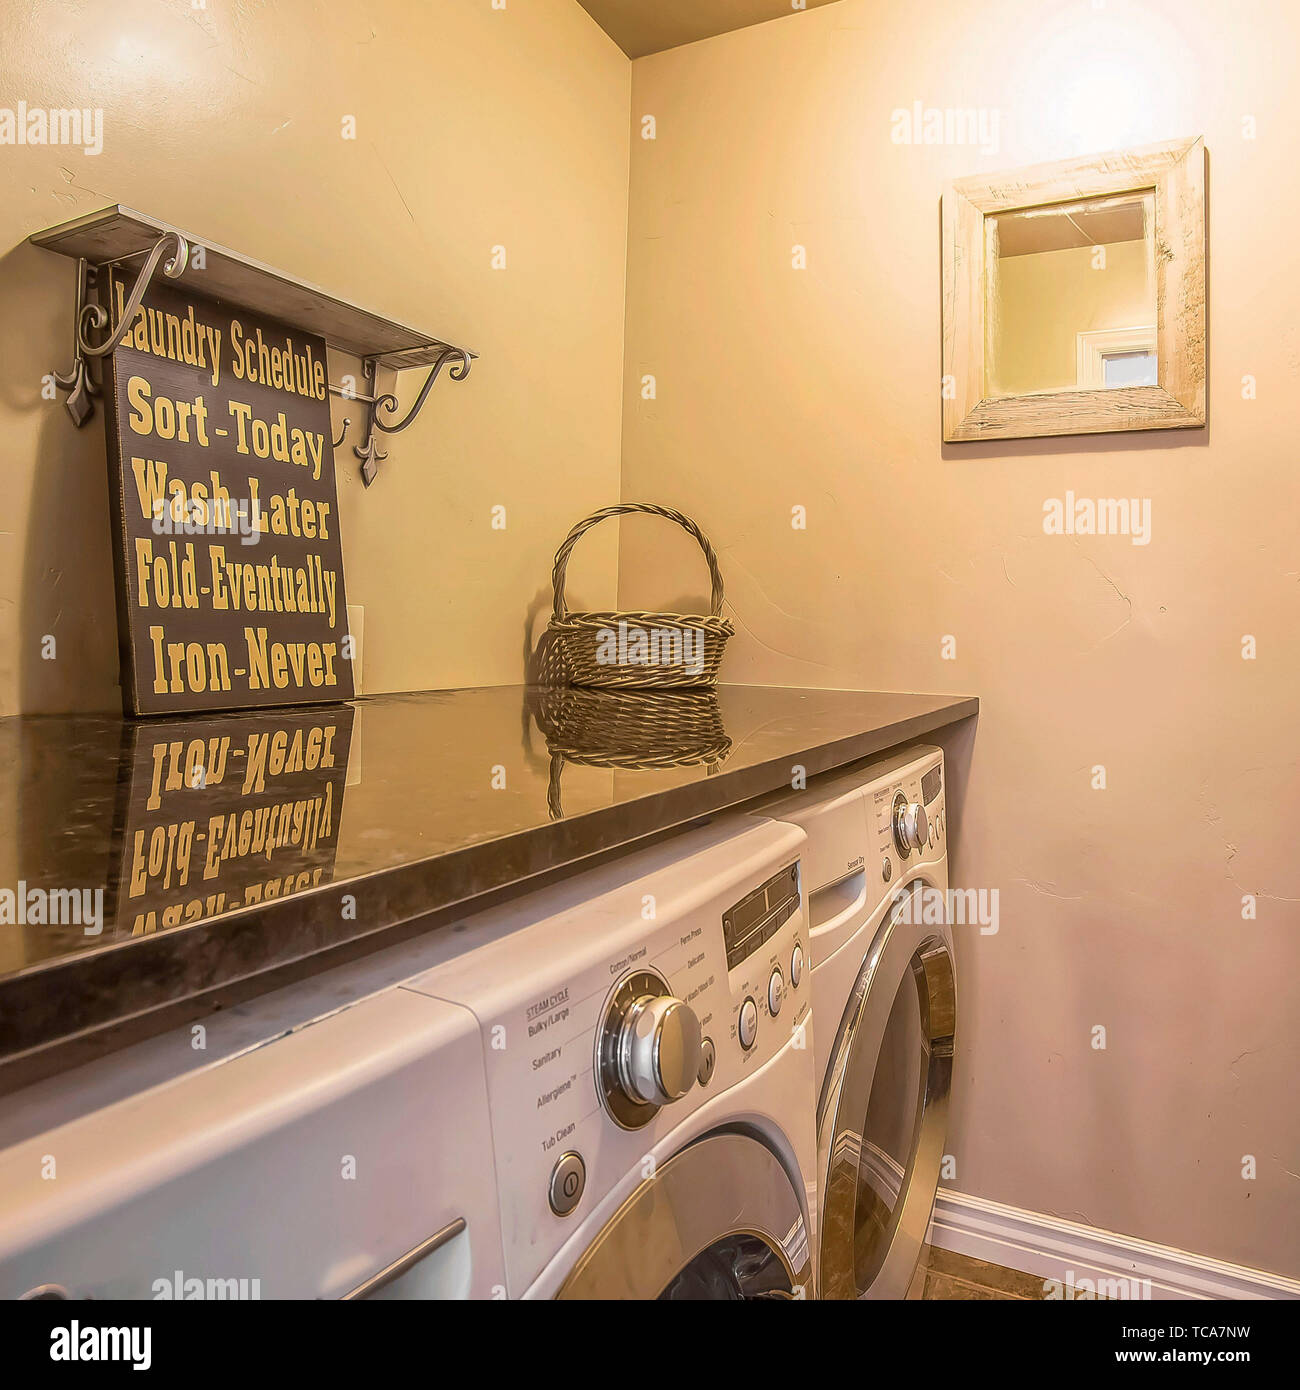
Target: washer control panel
(748,924)
(649,1049)
(606,1024)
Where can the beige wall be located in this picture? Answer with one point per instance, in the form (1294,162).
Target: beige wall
(475,128)
(779,388)
(820,388)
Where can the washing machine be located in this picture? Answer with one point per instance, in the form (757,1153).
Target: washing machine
(651,1080)
(284,1149)
(884,1012)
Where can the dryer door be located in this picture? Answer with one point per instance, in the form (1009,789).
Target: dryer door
(884,1104)
(720,1220)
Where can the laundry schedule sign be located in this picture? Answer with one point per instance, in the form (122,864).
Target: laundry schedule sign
(226,533)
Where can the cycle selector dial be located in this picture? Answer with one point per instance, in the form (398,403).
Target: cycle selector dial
(911,825)
(649,1050)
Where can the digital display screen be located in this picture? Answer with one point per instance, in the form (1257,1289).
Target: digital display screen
(744,915)
(759,915)
(931,784)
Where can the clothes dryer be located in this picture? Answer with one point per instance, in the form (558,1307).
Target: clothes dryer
(884,1012)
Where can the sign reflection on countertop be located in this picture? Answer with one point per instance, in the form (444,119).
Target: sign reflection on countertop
(226,812)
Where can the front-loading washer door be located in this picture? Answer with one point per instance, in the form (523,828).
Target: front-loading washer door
(720,1220)
(883,1110)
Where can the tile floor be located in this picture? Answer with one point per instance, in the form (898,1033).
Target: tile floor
(950,1276)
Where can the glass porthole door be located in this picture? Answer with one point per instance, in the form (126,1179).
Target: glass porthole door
(720,1220)
(883,1111)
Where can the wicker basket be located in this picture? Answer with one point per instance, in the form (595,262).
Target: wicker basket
(629,730)
(634,650)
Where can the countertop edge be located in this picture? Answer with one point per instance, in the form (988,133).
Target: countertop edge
(192,970)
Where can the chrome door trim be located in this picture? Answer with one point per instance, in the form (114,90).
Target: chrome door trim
(728,1183)
(897,949)
(404,1262)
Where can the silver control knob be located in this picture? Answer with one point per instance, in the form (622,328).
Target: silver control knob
(911,826)
(658,1049)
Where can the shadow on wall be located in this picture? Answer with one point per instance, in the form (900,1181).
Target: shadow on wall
(958,744)
(537,636)
(65,623)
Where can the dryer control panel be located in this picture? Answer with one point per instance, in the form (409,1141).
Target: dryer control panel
(906,812)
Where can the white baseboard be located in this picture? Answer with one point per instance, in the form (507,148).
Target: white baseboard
(1055,1249)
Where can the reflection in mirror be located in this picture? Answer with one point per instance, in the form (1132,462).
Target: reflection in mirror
(1071,296)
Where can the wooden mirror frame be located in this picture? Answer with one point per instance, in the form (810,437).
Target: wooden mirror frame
(1176,172)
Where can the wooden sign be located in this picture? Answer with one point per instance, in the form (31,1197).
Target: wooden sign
(226,528)
(226,812)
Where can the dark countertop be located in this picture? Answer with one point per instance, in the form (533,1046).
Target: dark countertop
(235,853)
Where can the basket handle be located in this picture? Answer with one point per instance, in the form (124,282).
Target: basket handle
(565,550)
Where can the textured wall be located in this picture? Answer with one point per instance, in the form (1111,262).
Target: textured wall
(779,387)
(476,128)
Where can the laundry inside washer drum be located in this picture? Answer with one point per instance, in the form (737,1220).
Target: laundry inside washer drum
(736,1269)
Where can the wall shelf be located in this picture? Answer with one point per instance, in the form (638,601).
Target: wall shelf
(120,236)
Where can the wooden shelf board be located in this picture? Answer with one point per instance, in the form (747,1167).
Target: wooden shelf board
(120,233)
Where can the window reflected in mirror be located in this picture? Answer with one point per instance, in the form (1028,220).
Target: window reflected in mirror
(1071,296)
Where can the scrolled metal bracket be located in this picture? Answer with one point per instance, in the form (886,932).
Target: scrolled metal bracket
(458,373)
(371,456)
(77,381)
(90,315)
(369,452)
(96,316)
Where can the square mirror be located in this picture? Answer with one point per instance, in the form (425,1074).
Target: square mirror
(1074,297)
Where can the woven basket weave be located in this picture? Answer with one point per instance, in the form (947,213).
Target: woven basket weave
(680,651)
(629,730)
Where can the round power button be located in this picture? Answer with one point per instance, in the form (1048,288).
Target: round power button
(568,1178)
